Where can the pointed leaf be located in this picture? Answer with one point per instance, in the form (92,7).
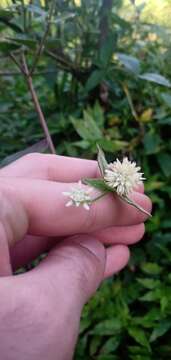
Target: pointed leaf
(160,330)
(139,336)
(8,46)
(102,162)
(130,202)
(156,78)
(94,79)
(131,63)
(107,50)
(97,183)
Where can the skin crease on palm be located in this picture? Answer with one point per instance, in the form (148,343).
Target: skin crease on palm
(40,310)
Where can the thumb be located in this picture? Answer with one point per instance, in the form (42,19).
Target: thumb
(63,282)
(13,226)
(76,266)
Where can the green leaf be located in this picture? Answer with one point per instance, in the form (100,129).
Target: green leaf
(149,283)
(107,327)
(113,145)
(8,46)
(37,10)
(132,203)
(87,127)
(156,78)
(167,99)
(152,143)
(82,144)
(5,14)
(164,161)
(151,268)
(102,162)
(107,50)
(96,77)
(139,336)
(95,344)
(12,24)
(24,40)
(97,183)
(107,357)
(83,130)
(91,124)
(110,345)
(152,296)
(160,329)
(131,63)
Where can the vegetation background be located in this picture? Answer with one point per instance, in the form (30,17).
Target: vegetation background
(101,72)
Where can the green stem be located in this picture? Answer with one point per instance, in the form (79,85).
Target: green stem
(42,42)
(100,196)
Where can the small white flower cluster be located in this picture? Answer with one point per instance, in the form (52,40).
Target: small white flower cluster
(123,176)
(79,195)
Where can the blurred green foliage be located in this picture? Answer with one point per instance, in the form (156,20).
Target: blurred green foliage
(104,78)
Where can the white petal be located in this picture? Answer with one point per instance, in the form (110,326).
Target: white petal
(66,193)
(86,206)
(69,203)
(80,183)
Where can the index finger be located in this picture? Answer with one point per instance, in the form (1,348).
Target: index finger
(48,215)
(51,167)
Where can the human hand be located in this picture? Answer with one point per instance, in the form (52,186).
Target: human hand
(53,294)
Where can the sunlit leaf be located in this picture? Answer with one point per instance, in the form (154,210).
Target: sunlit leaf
(131,63)
(156,78)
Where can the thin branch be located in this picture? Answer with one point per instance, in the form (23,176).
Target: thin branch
(13,58)
(42,42)
(61,59)
(37,73)
(37,105)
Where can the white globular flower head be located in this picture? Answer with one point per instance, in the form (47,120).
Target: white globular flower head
(79,196)
(123,176)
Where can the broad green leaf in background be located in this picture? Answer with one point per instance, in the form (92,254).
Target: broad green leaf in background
(164,161)
(160,329)
(113,145)
(151,268)
(139,336)
(152,143)
(91,124)
(5,14)
(107,327)
(37,10)
(107,50)
(156,78)
(110,345)
(96,77)
(8,46)
(166,97)
(149,283)
(131,63)
(24,40)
